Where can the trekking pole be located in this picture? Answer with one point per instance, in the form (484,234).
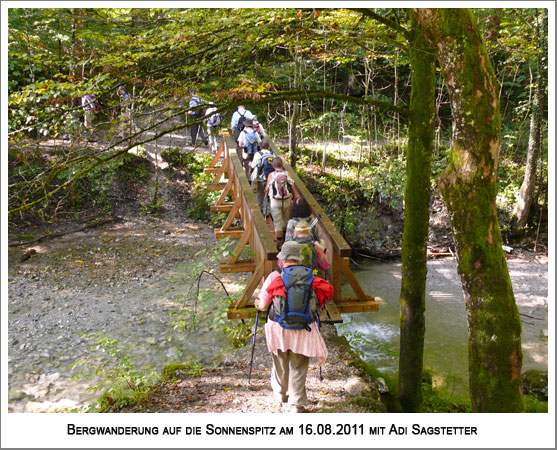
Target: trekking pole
(253,347)
(319,327)
(314,221)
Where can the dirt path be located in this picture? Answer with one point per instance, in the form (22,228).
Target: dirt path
(226,388)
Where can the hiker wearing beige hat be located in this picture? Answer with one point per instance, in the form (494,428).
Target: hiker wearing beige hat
(294,298)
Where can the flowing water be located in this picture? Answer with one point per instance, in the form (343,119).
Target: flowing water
(375,335)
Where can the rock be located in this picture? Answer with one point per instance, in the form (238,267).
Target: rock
(172,353)
(369,404)
(381,385)
(15,396)
(355,386)
(35,390)
(534,382)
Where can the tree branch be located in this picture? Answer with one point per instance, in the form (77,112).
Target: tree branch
(385,21)
(319,93)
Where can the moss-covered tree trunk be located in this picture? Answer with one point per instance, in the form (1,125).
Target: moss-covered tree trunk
(416,222)
(469,187)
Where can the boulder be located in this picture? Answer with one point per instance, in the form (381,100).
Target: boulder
(534,382)
(381,385)
(356,386)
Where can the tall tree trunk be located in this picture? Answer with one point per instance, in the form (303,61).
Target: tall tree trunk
(416,222)
(29,48)
(521,210)
(397,116)
(469,187)
(293,138)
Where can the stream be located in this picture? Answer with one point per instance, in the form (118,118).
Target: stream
(375,335)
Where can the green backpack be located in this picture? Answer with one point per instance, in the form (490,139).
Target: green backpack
(307,250)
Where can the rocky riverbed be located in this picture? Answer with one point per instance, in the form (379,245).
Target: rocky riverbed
(124,280)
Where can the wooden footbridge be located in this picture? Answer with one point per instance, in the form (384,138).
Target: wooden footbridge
(238,199)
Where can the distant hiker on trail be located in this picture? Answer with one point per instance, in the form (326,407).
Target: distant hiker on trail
(196,111)
(213,123)
(295,299)
(258,127)
(300,210)
(279,190)
(125,112)
(90,108)
(262,166)
(238,118)
(72,120)
(249,141)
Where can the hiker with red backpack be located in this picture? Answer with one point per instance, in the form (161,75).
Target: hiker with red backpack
(294,298)
(258,127)
(279,190)
(249,141)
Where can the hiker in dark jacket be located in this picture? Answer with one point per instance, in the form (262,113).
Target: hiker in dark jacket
(262,166)
(195,111)
(292,348)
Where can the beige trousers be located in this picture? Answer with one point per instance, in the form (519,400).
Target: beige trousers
(288,377)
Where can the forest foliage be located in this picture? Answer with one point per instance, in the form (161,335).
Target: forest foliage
(353,96)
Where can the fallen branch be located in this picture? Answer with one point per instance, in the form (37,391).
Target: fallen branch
(369,256)
(530,317)
(63,233)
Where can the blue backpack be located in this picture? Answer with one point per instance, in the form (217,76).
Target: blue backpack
(299,308)
(251,142)
(265,166)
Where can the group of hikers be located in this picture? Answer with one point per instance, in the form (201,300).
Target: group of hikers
(293,295)
(89,105)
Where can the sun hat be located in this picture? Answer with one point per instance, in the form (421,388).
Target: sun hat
(302,226)
(290,251)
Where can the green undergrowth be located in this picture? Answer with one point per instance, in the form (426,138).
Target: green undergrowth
(176,372)
(202,198)
(95,190)
(120,383)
